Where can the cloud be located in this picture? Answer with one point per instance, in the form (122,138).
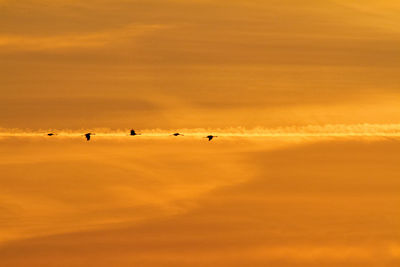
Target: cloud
(74,41)
(186,203)
(329,130)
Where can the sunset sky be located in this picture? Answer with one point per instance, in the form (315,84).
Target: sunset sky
(303,96)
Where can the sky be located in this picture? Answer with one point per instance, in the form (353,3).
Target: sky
(303,96)
(197,64)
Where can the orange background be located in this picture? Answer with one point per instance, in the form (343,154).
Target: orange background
(78,66)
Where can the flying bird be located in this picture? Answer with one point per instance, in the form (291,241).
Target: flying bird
(210,137)
(177,134)
(88,136)
(133,132)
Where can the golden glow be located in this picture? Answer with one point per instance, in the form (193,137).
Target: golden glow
(303,96)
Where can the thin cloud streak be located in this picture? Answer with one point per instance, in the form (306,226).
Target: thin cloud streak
(64,41)
(334,130)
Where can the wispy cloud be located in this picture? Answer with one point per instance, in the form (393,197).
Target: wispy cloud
(290,131)
(70,41)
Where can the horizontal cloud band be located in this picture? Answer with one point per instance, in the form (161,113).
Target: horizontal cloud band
(309,130)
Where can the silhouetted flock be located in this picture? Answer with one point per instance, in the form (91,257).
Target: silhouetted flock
(133,133)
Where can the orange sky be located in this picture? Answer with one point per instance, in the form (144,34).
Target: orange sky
(185,64)
(302,94)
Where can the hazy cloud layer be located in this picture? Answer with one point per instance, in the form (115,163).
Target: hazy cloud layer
(185,202)
(302,94)
(207,63)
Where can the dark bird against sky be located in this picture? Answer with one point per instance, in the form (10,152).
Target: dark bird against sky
(88,135)
(210,137)
(133,132)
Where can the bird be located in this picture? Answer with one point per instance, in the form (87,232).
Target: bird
(87,135)
(133,132)
(177,134)
(210,137)
(51,134)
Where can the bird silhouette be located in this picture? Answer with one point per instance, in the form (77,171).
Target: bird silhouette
(88,135)
(210,137)
(177,134)
(51,134)
(133,132)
